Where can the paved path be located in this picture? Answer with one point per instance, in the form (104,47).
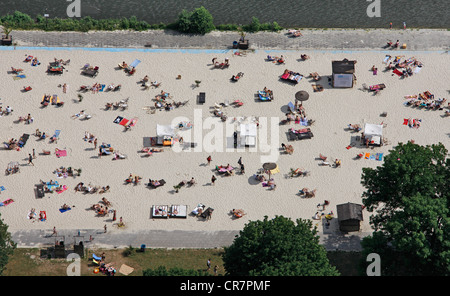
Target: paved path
(159,239)
(332,39)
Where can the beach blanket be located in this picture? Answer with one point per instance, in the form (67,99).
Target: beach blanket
(60,153)
(367,155)
(118,119)
(397,72)
(64,210)
(123,122)
(125,269)
(44,216)
(405,121)
(19,77)
(103,87)
(2,188)
(387,59)
(135,63)
(63,189)
(417,69)
(379,156)
(6,202)
(372,156)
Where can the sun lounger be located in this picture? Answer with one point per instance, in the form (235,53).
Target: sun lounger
(90,72)
(263,96)
(292,77)
(178,211)
(160,211)
(23,140)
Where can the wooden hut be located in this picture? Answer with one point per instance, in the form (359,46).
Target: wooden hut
(349,216)
(343,74)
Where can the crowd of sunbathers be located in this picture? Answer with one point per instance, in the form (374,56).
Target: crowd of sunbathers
(426,100)
(91,189)
(97,87)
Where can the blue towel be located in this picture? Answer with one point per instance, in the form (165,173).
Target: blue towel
(2,188)
(135,63)
(64,210)
(379,156)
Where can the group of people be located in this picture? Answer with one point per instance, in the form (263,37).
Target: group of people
(5,111)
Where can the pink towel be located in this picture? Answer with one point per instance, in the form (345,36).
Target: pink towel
(60,153)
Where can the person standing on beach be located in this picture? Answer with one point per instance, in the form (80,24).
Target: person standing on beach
(104,227)
(30,159)
(208,264)
(95,143)
(390,25)
(213,179)
(34,154)
(54,231)
(240,161)
(208,159)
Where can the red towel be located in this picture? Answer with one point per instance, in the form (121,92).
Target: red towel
(405,121)
(124,121)
(398,72)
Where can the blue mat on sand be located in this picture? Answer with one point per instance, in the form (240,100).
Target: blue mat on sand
(64,210)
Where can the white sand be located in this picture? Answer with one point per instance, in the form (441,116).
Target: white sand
(332,110)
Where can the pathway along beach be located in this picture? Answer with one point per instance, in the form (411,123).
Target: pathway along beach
(332,110)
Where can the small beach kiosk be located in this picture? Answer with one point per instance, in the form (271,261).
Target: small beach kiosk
(343,74)
(248,134)
(373,133)
(164,135)
(349,216)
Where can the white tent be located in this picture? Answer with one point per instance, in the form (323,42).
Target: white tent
(373,132)
(248,134)
(165,134)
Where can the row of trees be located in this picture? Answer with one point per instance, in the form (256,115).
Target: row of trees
(198,21)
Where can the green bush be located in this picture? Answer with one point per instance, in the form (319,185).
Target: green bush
(199,21)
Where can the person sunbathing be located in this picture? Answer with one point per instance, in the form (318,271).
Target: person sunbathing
(106,202)
(192,181)
(315,76)
(304,57)
(78,115)
(65,207)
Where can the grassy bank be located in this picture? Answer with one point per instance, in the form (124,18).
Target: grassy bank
(34,262)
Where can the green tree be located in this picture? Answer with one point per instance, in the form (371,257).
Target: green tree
(277,247)
(7,246)
(409,195)
(199,21)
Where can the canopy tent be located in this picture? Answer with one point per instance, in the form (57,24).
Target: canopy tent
(248,134)
(343,73)
(374,133)
(165,134)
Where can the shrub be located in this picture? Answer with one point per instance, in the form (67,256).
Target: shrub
(199,21)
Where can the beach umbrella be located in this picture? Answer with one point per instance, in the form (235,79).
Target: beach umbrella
(271,168)
(301,96)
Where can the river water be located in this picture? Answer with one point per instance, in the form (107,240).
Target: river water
(288,13)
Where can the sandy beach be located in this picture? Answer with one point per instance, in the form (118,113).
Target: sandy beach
(332,110)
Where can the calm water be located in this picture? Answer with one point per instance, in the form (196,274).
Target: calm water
(288,13)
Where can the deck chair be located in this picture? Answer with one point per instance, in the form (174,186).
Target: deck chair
(96,257)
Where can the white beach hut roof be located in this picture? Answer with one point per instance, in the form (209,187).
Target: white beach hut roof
(164,130)
(373,129)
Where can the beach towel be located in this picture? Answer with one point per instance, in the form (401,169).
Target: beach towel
(118,119)
(125,269)
(349,146)
(103,87)
(405,121)
(372,156)
(386,59)
(44,216)
(417,69)
(2,188)
(397,72)
(285,76)
(123,122)
(135,63)
(63,189)
(96,257)
(60,153)
(367,155)
(379,156)
(6,202)
(19,77)
(64,210)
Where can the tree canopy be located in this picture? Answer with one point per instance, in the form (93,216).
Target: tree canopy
(409,196)
(199,21)
(7,246)
(277,247)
